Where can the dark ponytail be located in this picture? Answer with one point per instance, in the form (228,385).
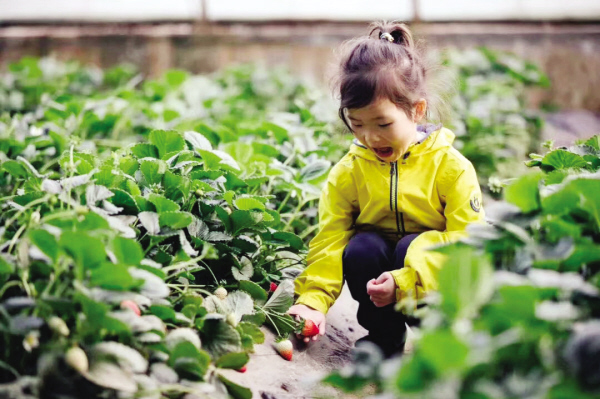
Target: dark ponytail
(399,32)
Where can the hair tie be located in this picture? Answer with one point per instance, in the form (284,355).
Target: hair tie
(386,36)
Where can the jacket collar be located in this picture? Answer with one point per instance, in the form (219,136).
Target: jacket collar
(433,138)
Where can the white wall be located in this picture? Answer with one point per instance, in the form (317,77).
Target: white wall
(253,10)
(99,10)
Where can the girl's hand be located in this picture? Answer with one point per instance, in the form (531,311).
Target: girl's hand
(383,290)
(306,313)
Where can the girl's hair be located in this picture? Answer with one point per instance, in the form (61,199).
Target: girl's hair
(385,64)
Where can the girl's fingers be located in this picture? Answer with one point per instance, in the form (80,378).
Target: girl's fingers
(322,327)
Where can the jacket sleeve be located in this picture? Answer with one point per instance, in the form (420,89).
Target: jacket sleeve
(321,282)
(462,198)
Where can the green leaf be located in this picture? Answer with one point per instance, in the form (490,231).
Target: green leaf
(280,133)
(113,277)
(189,361)
(45,242)
(84,162)
(125,201)
(126,356)
(27,198)
(144,150)
(5,267)
(283,324)
(167,141)
(129,165)
(452,358)
(144,205)
(585,253)
(153,170)
(127,251)
(255,290)
(88,252)
(524,192)
(465,282)
(163,204)
(15,168)
(150,222)
(92,221)
(175,77)
(233,360)
(219,338)
(314,170)
(175,220)
(198,141)
(594,142)
(176,187)
(282,299)
(253,331)
(165,313)
(109,375)
(562,159)
(579,197)
(257,318)
(249,204)
(556,176)
(239,303)
(415,374)
(245,272)
(244,219)
(235,390)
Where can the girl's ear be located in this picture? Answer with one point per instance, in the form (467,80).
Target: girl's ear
(419,110)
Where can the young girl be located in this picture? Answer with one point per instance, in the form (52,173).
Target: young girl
(400,190)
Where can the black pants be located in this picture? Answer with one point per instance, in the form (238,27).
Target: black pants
(366,257)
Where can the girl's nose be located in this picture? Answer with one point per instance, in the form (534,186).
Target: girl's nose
(372,138)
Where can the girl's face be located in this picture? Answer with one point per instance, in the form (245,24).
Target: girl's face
(384,128)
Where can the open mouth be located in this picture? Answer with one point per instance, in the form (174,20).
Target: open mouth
(383,152)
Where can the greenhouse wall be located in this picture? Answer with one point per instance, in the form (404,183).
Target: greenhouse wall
(206,35)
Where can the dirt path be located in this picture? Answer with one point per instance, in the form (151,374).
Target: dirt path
(270,376)
(567,126)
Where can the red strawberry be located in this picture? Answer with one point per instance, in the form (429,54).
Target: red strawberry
(127,304)
(272,287)
(284,348)
(308,328)
(242,370)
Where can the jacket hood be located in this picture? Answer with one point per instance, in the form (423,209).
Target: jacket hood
(435,137)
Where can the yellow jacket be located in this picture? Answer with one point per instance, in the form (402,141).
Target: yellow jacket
(433,190)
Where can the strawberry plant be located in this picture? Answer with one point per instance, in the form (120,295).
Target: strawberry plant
(110,250)
(488,115)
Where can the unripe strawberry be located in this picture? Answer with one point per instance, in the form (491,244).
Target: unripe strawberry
(81,210)
(35,217)
(128,304)
(285,348)
(57,325)
(231,320)
(221,293)
(76,358)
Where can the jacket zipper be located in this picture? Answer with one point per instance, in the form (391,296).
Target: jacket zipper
(394,198)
